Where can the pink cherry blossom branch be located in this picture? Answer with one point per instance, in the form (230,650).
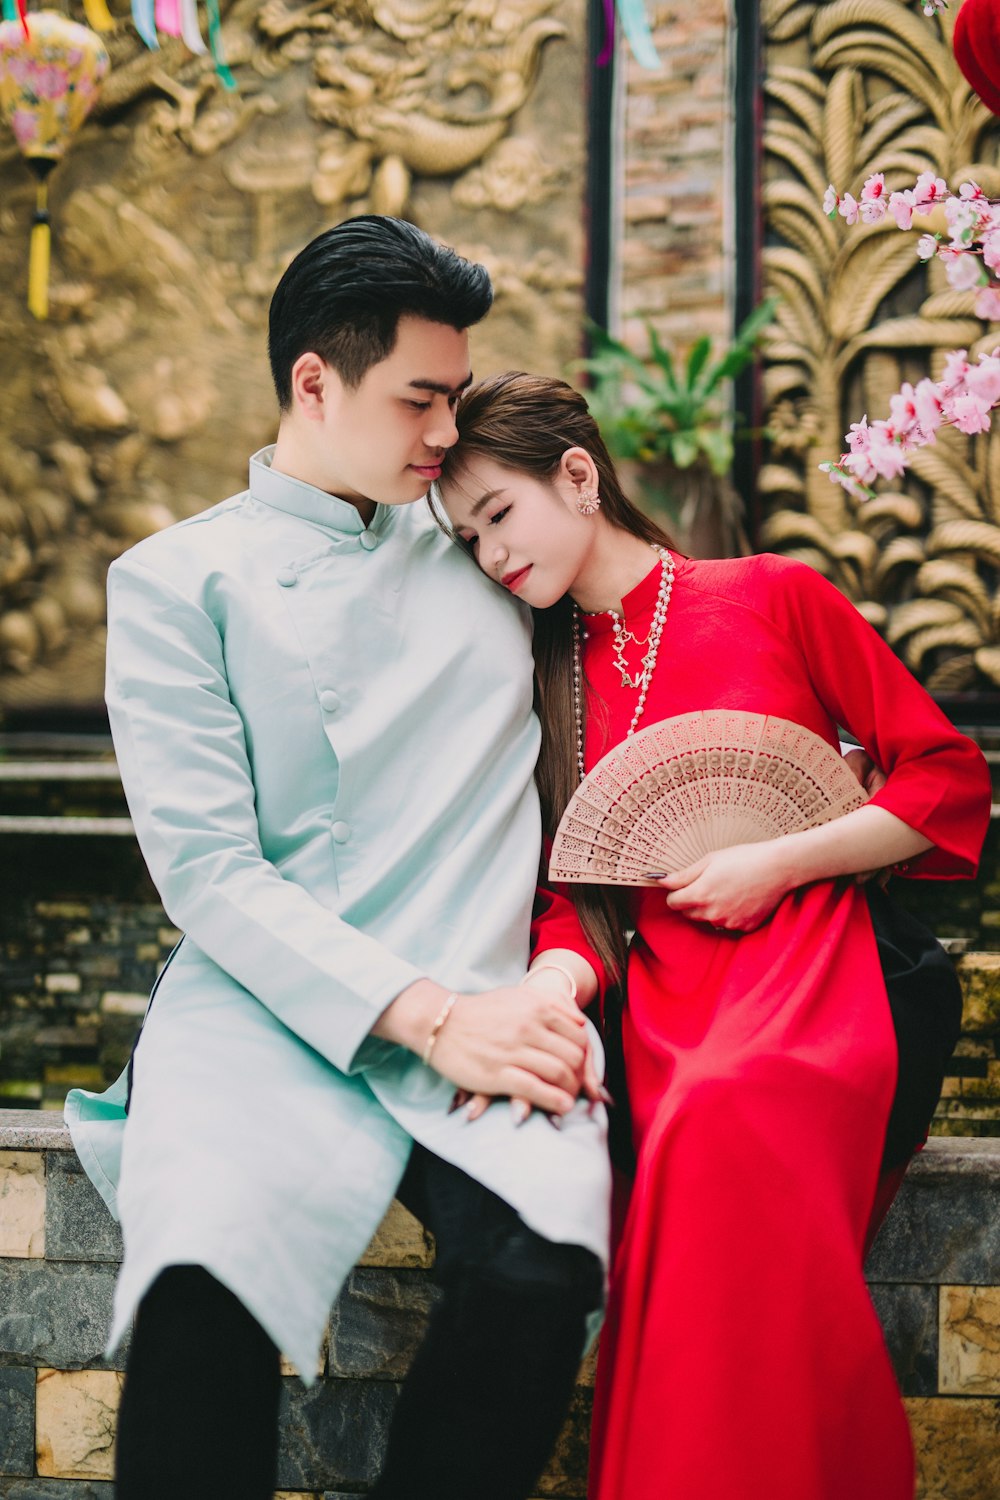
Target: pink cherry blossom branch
(963,398)
(966,394)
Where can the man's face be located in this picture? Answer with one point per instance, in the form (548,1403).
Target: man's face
(387,436)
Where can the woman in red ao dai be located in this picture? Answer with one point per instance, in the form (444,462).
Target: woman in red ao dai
(741,1356)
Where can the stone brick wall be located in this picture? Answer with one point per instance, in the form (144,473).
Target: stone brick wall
(672,252)
(82,937)
(59,1254)
(934,1274)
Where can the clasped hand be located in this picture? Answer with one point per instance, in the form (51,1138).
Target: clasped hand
(526,1042)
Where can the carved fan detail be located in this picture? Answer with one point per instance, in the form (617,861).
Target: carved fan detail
(694,783)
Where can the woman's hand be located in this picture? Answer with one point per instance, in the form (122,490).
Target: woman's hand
(735,889)
(868,774)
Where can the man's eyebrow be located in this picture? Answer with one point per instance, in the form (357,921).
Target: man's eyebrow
(439,386)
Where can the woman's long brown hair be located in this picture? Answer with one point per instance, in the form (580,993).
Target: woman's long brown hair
(526,423)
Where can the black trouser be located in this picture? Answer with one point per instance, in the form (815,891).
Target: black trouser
(481,1407)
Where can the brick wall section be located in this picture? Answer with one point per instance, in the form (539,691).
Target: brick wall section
(933,1273)
(670,259)
(82,938)
(74,979)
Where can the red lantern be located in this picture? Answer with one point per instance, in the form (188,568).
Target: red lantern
(976,42)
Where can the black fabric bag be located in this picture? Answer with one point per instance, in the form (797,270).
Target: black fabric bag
(925,999)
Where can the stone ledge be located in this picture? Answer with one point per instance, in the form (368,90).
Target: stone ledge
(933,1275)
(33,1130)
(45,1130)
(943,1227)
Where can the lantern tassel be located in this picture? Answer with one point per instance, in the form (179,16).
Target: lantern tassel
(222,70)
(99,18)
(38,260)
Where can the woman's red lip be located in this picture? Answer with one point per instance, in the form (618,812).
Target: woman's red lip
(511,580)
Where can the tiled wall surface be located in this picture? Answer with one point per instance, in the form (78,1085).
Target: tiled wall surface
(934,1275)
(75,975)
(671,252)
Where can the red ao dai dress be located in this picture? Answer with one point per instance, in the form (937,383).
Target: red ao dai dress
(742,1358)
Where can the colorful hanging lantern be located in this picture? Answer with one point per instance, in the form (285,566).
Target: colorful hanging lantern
(51,71)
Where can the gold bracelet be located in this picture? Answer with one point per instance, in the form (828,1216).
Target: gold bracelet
(435,1030)
(559,970)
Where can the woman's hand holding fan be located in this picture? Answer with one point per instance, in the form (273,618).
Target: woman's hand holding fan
(700,798)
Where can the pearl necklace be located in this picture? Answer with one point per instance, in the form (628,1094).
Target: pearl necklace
(645,676)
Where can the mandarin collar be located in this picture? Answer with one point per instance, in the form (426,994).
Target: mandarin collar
(272,487)
(639,601)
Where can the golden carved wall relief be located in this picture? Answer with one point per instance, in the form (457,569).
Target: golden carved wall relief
(855,87)
(140,400)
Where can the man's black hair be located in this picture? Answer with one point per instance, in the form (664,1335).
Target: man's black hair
(344,294)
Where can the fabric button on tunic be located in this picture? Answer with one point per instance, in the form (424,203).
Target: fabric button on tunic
(320,856)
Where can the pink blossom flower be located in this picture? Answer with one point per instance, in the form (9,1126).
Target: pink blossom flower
(831,201)
(962,269)
(927,246)
(956,368)
(860,466)
(930,408)
(848,208)
(963,219)
(858,437)
(873,209)
(886,453)
(991,248)
(927,191)
(970,190)
(983,380)
(874,188)
(901,208)
(903,410)
(839,475)
(931,7)
(988,304)
(969,415)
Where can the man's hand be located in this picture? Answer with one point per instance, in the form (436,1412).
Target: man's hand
(520,1041)
(549,980)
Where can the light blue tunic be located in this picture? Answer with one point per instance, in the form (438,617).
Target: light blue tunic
(326,739)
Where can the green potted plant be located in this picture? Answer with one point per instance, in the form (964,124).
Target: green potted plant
(671,428)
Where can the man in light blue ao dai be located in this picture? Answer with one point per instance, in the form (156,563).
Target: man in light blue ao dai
(322,714)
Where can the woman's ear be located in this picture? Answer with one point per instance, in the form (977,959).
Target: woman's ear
(579,468)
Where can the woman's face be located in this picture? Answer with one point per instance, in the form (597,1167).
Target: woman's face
(525,533)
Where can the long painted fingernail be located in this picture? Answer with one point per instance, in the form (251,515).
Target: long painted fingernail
(520,1109)
(605,1097)
(555,1121)
(654,875)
